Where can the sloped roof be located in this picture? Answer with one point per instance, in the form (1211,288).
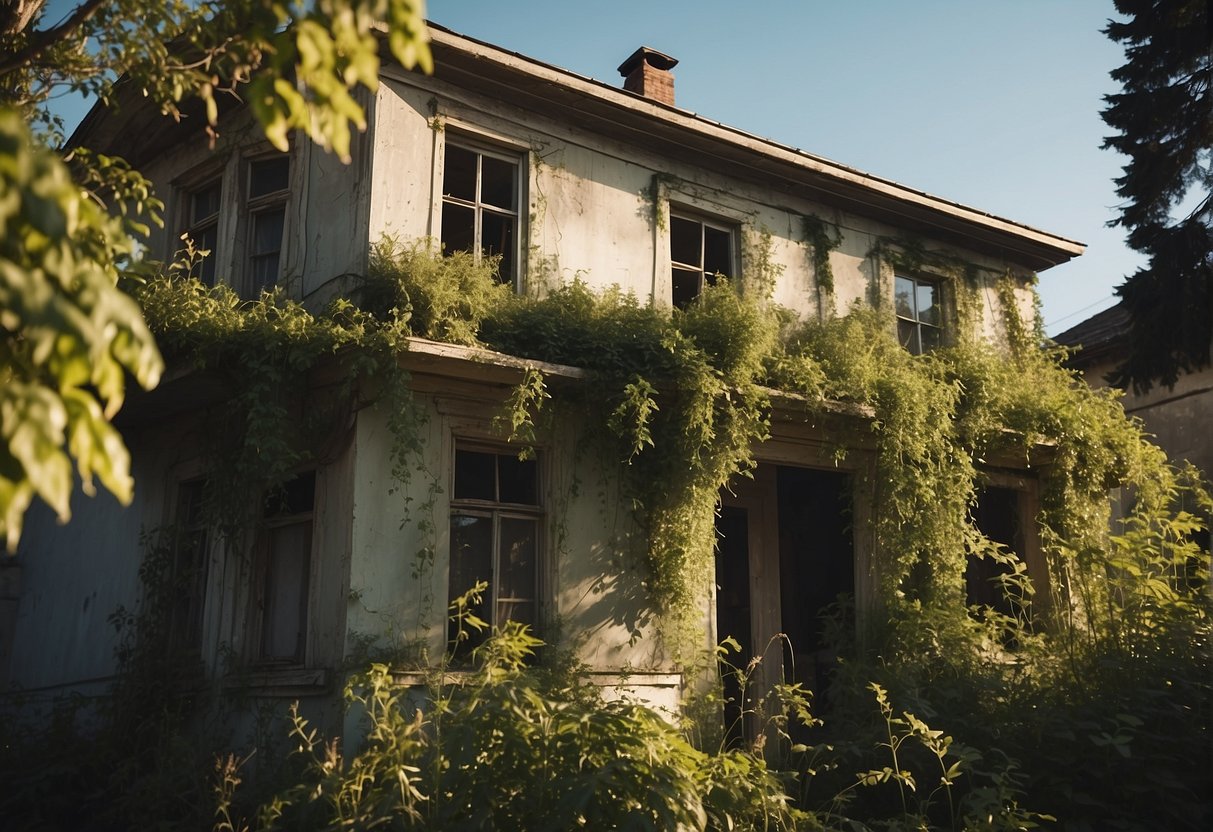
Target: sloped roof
(1101,336)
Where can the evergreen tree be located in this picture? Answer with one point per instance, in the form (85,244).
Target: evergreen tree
(1164,122)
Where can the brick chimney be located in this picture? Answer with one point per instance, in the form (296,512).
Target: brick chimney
(647,73)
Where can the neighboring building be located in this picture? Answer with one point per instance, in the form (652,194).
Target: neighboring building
(563,177)
(1178,418)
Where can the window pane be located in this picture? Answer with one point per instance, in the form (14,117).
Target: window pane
(285,618)
(207,239)
(521,611)
(686,240)
(459,173)
(518,480)
(930,337)
(204,203)
(471,561)
(295,496)
(516,559)
(903,299)
(907,334)
(267,176)
(497,183)
(497,237)
(267,231)
(686,287)
(717,251)
(475,476)
(458,228)
(928,308)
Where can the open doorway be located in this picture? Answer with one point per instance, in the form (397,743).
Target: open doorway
(784,557)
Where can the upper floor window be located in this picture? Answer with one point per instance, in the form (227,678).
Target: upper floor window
(919,316)
(699,251)
(284,571)
(495,527)
(480,206)
(203,228)
(268,189)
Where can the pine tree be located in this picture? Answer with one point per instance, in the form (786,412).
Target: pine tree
(1164,122)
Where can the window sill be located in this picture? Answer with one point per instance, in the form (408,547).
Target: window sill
(281,681)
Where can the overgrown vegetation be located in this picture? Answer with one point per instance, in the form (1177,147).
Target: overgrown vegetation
(1088,701)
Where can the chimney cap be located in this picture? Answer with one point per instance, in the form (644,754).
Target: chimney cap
(658,60)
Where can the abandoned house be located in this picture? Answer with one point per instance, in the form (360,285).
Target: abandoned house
(563,178)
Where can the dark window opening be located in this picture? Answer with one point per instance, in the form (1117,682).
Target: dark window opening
(268,183)
(919,317)
(997,516)
(286,569)
(204,229)
(480,207)
(699,252)
(495,527)
(733,612)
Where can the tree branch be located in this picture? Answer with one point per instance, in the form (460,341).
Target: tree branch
(42,40)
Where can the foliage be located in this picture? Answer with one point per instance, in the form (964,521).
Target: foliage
(267,353)
(560,757)
(1163,118)
(68,334)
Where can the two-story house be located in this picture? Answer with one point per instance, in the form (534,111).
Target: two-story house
(563,178)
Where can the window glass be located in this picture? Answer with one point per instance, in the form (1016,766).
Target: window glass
(518,478)
(698,252)
(919,316)
(497,178)
(475,475)
(928,310)
(204,203)
(459,173)
(717,252)
(285,571)
(480,207)
(285,616)
(267,176)
(495,528)
(685,241)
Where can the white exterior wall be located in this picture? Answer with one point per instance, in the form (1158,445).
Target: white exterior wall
(588,210)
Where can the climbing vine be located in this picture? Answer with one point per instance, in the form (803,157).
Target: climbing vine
(680,400)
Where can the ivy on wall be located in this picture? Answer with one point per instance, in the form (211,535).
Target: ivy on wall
(681,400)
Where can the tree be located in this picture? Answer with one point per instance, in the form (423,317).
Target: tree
(69,335)
(1164,122)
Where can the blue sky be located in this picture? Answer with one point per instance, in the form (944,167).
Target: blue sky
(992,104)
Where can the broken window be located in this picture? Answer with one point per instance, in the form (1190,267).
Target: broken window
(989,576)
(496,521)
(268,190)
(480,207)
(919,316)
(203,228)
(699,252)
(285,570)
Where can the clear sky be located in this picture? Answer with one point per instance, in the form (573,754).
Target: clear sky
(991,103)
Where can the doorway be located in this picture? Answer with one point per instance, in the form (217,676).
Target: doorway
(784,557)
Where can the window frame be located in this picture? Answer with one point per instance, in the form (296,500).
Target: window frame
(915,343)
(498,510)
(705,222)
(503,153)
(252,207)
(263,574)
